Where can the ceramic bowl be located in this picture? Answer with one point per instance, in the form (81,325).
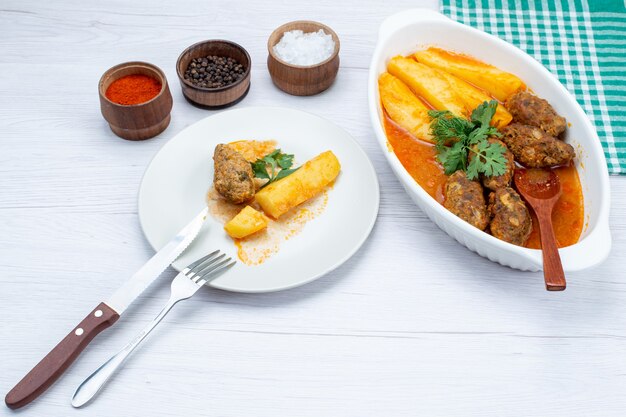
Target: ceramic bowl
(411,30)
(300,80)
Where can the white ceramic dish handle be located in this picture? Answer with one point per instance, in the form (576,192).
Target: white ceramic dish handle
(591,250)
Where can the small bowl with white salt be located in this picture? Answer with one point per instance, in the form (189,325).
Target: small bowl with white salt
(303,57)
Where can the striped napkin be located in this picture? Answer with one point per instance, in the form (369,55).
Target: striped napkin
(582,42)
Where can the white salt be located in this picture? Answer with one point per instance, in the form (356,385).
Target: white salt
(299,48)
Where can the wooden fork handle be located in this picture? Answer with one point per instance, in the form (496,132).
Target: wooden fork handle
(61,357)
(552,268)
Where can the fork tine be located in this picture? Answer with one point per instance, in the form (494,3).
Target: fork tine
(211,272)
(210,268)
(217,273)
(204,264)
(204,258)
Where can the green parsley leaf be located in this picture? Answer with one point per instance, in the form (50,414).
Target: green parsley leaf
(285,161)
(260,169)
(455,137)
(453,158)
(448,128)
(273,166)
(283,173)
(482,132)
(488,159)
(483,114)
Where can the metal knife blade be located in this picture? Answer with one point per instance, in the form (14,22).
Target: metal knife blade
(132,288)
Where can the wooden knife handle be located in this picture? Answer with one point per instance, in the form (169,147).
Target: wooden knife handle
(61,357)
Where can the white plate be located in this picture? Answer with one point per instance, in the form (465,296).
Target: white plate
(175,184)
(411,30)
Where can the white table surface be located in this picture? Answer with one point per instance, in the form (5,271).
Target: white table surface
(413,325)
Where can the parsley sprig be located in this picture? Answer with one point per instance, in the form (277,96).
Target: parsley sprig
(273,166)
(457,137)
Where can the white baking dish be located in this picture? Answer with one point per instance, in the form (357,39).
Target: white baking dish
(415,29)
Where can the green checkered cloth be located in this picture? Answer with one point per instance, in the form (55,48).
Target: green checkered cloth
(582,42)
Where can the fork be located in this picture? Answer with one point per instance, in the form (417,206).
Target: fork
(184,285)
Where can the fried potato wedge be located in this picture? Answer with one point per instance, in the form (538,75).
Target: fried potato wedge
(473,97)
(245,223)
(498,83)
(428,83)
(403,107)
(308,181)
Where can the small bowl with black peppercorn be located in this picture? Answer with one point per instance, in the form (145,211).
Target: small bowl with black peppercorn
(214,74)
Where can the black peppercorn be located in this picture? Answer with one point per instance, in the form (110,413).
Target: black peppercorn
(214,71)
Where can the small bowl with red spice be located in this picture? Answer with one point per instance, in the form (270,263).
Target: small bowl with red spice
(135,100)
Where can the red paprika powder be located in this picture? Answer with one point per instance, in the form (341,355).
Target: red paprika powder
(133,89)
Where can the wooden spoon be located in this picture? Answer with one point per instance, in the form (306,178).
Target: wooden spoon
(541,189)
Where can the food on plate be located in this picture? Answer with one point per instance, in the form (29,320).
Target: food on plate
(534,148)
(474,97)
(233,177)
(493,182)
(500,84)
(309,180)
(465,199)
(290,195)
(427,83)
(403,106)
(469,156)
(531,110)
(273,166)
(245,223)
(253,150)
(510,218)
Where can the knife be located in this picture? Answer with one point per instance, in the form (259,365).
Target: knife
(104,315)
